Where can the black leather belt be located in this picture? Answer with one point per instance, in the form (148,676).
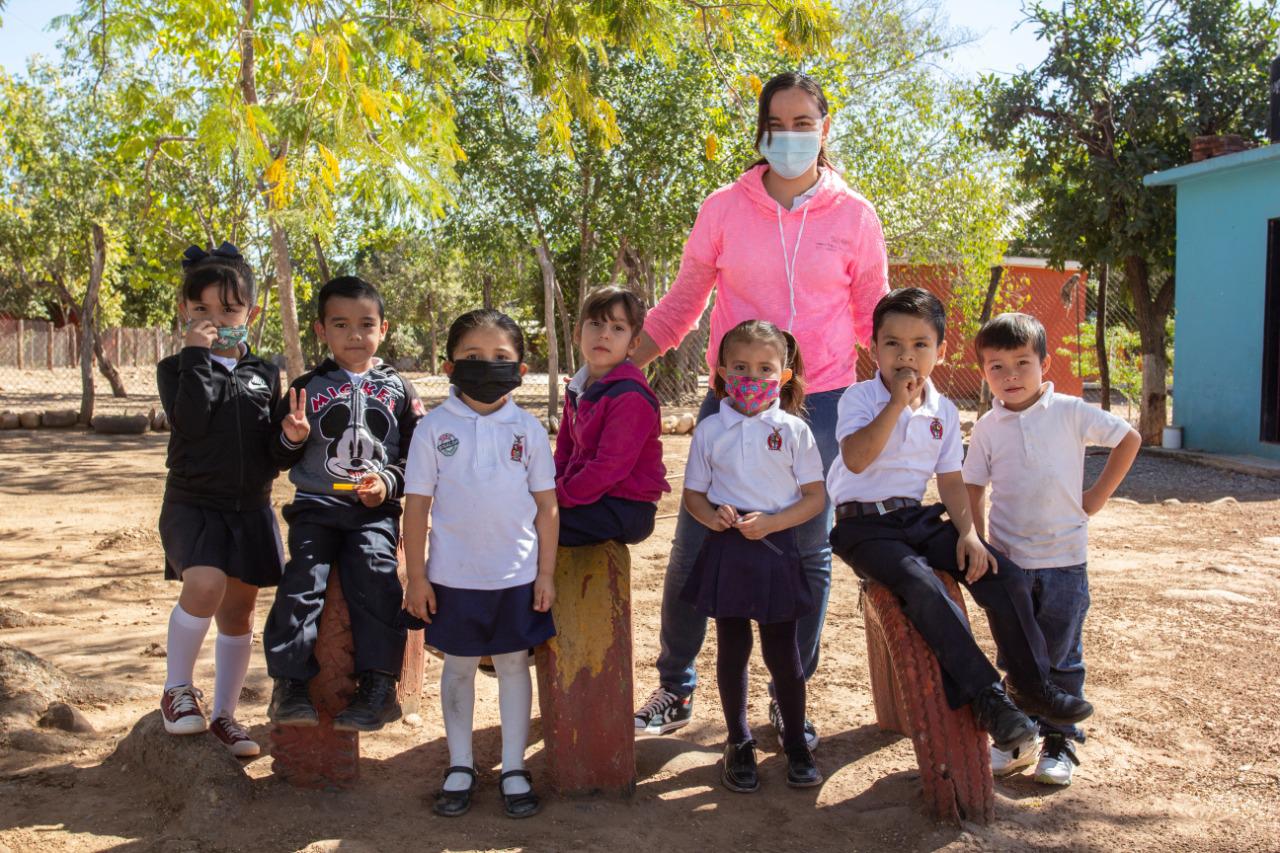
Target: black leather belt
(857,509)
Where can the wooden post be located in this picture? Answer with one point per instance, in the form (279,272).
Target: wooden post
(320,756)
(906,687)
(48,344)
(584,674)
(22,348)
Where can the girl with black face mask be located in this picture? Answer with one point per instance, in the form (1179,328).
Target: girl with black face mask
(481,469)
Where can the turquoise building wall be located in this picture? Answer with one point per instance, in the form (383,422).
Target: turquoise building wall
(1223,207)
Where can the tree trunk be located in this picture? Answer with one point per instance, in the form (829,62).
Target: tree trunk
(567,323)
(1153,412)
(321,263)
(104,364)
(988,303)
(486,284)
(1100,338)
(294,361)
(431,326)
(549,319)
(87,309)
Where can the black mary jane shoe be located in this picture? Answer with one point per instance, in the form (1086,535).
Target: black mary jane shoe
(519,805)
(455,803)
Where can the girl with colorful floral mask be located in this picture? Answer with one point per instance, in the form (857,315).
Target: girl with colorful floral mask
(754,475)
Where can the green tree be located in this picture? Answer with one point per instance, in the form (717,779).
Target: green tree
(1090,121)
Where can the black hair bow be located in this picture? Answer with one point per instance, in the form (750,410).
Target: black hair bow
(195,255)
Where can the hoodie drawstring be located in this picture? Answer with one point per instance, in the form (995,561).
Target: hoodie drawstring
(789,266)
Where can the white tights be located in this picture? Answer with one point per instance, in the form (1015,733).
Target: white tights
(515,704)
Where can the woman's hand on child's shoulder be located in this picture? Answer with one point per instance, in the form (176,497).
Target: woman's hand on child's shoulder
(756,525)
(420,599)
(295,425)
(544,592)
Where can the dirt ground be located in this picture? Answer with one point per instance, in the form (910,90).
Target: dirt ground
(1183,753)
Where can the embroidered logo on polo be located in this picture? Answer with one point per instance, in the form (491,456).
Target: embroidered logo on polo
(935,429)
(517,449)
(775,439)
(447,444)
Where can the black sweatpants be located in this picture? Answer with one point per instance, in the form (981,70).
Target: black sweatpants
(625,521)
(361,542)
(901,550)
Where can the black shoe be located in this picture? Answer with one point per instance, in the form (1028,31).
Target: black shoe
(1052,703)
(739,771)
(1009,728)
(291,704)
(519,805)
(373,707)
(802,772)
(455,803)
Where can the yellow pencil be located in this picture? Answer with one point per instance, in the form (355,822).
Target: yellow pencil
(344,487)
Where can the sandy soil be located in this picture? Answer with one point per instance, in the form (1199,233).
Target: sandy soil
(1183,754)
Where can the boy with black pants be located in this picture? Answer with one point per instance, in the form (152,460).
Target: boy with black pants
(895,432)
(357,416)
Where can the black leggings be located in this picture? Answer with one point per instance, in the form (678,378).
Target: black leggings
(781,656)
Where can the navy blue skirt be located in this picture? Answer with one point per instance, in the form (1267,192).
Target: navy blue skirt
(244,545)
(478,622)
(736,577)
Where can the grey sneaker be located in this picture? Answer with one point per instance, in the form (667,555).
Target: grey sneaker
(664,712)
(775,719)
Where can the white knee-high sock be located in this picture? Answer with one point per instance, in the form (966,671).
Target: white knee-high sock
(231,663)
(458,701)
(186,635)
(515,703)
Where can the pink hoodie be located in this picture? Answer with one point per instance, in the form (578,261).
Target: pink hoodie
(735,247)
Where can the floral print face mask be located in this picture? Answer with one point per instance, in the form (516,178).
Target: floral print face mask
(751,396)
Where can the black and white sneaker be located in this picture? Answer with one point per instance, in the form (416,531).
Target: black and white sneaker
(664,712)
(775,719)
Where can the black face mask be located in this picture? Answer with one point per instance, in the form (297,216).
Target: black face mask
(486,381)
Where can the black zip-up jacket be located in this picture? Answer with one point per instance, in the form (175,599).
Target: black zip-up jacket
(354,432)
(220,429)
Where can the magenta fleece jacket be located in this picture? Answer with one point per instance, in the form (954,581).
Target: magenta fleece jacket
(609,441)
(741,245)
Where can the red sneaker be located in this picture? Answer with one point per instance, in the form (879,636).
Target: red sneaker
(234,737)
(181,709)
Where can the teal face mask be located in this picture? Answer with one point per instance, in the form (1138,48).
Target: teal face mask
(791,153)
(231,337)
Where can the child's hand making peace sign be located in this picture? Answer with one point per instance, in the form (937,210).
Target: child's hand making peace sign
(295,425)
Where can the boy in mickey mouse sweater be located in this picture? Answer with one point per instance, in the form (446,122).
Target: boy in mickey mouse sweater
(345,432)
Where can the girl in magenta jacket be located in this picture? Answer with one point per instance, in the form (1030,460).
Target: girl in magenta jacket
(791,243)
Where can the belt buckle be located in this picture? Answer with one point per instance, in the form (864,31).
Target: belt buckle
(880,508)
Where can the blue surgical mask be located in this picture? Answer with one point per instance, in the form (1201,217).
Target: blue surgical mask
(791,153)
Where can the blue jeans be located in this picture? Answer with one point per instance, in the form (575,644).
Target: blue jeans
(683,629)
(1061,600)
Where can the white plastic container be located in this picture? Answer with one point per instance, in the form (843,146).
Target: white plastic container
(1172,438)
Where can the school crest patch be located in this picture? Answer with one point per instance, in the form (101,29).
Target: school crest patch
(775,440)
(447,444)
(935,429)
(517,449)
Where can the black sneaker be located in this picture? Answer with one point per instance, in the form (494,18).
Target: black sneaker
(739,772)
(291,704)
(802,772)
(1052,703)
(1009,728)
(775,719)
(664,712)
(374,704)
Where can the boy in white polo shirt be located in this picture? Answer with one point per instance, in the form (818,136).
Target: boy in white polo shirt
(1030,449)
(895,432)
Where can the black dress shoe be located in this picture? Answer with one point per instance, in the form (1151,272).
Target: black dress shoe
(1051,703)
(739,772)
(374,705)
(1009,728)
(802,772)
(291,704)
(519,805)
(455,803)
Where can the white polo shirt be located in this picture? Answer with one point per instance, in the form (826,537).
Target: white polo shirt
(1034,462)
(925,441)
(481,471)
(752,463)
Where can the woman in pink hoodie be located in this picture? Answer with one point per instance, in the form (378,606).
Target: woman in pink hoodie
(791,243)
